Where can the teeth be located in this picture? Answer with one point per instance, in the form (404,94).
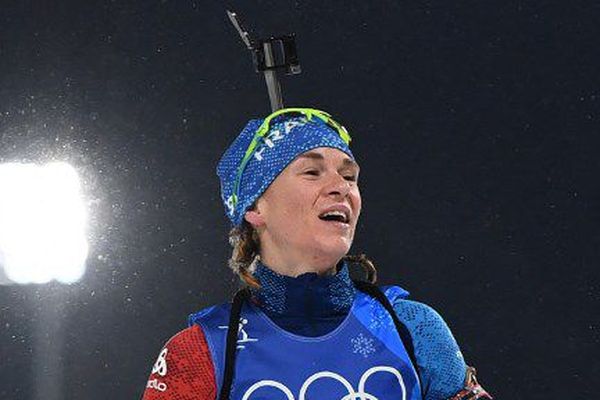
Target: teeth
(338,213)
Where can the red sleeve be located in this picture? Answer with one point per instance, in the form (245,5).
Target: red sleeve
(183,370)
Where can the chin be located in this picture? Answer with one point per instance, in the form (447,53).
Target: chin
(332,252)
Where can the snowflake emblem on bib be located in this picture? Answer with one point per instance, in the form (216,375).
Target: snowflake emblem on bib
(362,345)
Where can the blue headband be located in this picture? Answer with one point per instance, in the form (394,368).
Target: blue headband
(244,179)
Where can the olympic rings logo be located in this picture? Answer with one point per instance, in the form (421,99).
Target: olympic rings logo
(359,394)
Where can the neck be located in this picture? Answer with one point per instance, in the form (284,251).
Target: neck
(295,266)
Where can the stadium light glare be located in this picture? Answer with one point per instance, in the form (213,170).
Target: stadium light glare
(42,223)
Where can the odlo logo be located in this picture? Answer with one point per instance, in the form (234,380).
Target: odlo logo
(155,384)
(160,368)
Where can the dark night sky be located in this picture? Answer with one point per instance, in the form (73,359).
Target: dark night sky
(475,124)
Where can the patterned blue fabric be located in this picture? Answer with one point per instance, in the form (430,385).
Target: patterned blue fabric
(288,137)
(325,300)
(440,361)
(312,305)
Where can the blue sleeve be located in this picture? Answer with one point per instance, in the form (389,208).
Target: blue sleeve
(440,362)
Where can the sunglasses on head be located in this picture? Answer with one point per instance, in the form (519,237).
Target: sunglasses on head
(264,128)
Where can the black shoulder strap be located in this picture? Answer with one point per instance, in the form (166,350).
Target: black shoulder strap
(376,293)
(231,344)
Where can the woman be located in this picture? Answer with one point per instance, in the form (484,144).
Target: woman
(301,328)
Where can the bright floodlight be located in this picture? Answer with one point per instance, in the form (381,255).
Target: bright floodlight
(42,223)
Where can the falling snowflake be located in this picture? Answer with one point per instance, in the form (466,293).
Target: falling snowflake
(362,345)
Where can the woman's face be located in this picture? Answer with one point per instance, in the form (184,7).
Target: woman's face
(307,217)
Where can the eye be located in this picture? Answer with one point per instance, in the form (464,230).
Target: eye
(313,172)
(352,178)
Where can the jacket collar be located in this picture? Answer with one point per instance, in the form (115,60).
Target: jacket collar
(307,295)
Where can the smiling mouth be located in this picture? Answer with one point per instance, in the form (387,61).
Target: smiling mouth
(335,217)
(338,222)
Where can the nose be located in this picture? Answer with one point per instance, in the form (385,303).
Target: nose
(337,185)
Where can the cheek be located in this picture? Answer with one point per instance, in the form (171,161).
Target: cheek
(296,206)
(357,200)
(300,205)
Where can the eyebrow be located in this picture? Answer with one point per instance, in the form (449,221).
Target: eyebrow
(348,162)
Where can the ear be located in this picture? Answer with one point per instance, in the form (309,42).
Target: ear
(254,218)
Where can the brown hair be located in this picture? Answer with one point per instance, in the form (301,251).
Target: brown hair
(246,248)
